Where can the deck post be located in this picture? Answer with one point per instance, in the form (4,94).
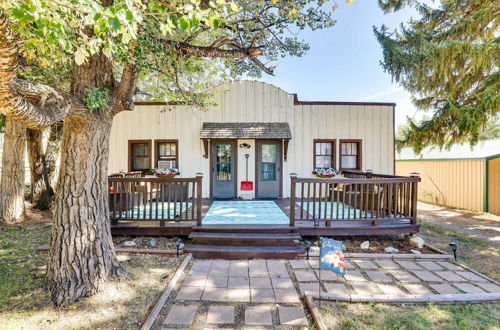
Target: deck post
(199,179)
(414,192)
(293,178)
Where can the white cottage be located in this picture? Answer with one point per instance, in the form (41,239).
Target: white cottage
(257,134)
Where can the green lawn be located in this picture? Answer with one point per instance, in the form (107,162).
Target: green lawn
(24,304)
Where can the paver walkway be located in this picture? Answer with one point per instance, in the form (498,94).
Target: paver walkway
(249,294)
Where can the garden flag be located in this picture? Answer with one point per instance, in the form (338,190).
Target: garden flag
(331,255)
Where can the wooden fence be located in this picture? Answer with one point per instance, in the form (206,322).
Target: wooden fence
(155,199)
(358,196)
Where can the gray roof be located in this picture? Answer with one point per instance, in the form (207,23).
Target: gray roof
(483,149)
(245,131)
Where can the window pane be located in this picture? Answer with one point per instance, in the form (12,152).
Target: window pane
(166,149)
(140,149)
(223,172)
(268,172)
(354,148)
(141,163)
(269,153)
(223,153)
(318,148)
(323,161)
(349,162)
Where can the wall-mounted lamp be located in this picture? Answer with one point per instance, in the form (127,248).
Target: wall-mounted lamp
(245,145)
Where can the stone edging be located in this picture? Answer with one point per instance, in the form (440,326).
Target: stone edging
(45,248)
(407,299)
(155,311)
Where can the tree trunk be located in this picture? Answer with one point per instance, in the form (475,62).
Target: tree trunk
(82,255)
(35,154)
(13,172)
(43,165)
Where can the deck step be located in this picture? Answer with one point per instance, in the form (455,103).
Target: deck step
(242,239)
(243,252)
(245,228)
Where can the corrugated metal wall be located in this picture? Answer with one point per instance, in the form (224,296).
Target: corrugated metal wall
(250,101)
(455,183)
(494,186)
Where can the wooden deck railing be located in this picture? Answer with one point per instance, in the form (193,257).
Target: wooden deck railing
(155,199)
(358,196)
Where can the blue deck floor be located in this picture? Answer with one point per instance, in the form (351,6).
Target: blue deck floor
(245,213)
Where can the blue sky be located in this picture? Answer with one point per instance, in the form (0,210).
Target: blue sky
(343,62)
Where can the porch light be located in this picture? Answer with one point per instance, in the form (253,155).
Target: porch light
(454,246)
(316,222)
(177,218)
(415,174)
(245,145)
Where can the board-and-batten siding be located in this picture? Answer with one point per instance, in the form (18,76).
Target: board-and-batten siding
(454,183)
(494,186)
(249,101)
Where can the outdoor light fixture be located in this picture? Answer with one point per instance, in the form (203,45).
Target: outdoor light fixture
(454,246)
(316,222)
(178,243)
(177,218)
(245,145)
(308,247)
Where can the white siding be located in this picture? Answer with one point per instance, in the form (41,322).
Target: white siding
(250,101)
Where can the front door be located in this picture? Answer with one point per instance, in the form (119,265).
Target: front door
(223,169)
(268,169)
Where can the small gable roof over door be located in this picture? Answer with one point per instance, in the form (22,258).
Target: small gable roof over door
(246,131)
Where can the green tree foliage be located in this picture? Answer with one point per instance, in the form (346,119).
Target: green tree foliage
(448,60)
(54,35)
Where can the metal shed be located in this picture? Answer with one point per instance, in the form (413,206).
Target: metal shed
(463,177)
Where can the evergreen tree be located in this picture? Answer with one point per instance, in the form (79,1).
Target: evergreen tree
(448,60)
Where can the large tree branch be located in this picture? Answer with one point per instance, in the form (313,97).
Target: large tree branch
(215,51)
(31,104)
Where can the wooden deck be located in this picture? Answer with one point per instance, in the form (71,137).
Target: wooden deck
(304,228)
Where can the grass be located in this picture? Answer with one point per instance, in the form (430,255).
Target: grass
(473,252)
(25,304)
(380,316)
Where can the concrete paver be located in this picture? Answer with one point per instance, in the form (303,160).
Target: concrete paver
(417,289)
(292,316)
(427,276)
(443,288)
(489,287)
(403,276)
(238,283)
(189,293)
(282,283)
(299,263)
(354,275)
(220,314)
(258,315)
(365,288)
(387,264)
(468,288)
(450,276)
(365,264)
(286,296)
(262,295)
(260,283)
(305,276)
(471,276)
(339,288)
(430,265)
(389,289)
(181,315)
(378,276)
